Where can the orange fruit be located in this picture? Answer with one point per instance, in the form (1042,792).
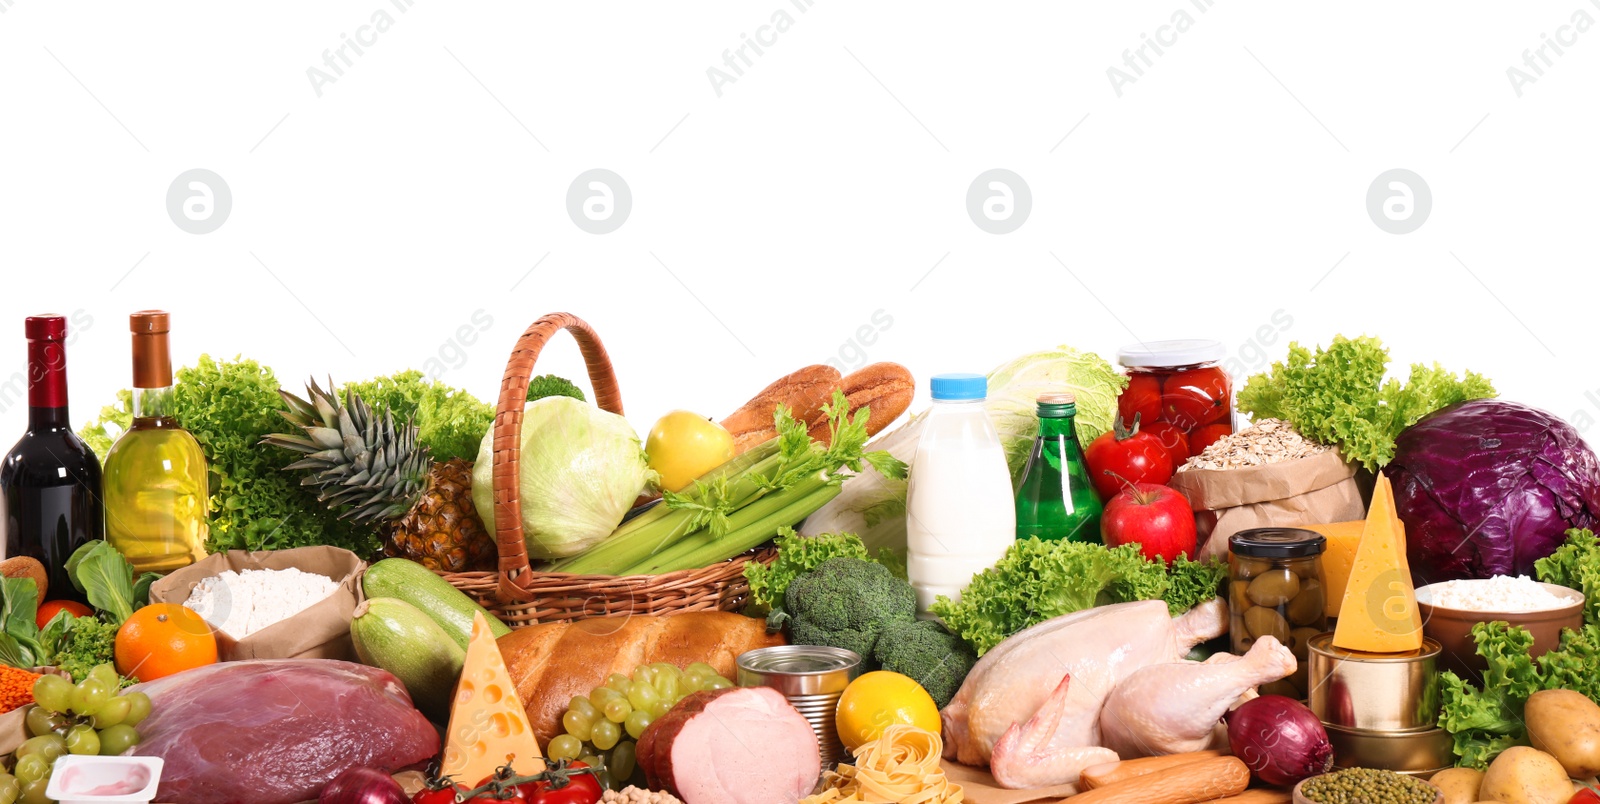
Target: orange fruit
(161,639)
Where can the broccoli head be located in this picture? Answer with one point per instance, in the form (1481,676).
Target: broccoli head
(550,385)
(846,603)
(928,653)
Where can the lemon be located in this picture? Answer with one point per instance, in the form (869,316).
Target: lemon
(878,700)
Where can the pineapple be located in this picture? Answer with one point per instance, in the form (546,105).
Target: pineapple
(372,471)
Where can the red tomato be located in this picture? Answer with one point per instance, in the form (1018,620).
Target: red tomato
(1126,456)
(1585,796)
(425,796)
(517,797)
(1141,398)
(1194,397)
(1156,518)
(1172,437)
(580,789)
(1205,436)
(48,609)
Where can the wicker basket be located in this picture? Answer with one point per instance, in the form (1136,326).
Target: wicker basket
(521,596)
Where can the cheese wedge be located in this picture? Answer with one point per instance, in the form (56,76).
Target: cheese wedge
(1337,559)
(1379,611)
(487,721)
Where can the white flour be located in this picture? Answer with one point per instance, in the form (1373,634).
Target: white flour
(242,603)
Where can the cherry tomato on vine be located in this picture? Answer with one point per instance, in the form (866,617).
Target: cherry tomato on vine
(580,789)
(446,796)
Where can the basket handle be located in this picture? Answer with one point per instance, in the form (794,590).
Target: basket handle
(515,571)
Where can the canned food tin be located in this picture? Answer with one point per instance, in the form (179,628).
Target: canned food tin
(1413,752)
(1393,692)
(812,678)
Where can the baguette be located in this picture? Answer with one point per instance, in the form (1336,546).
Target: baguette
(552,662)
(803,392)
(1206,780)
(1109,772)
(885,389)
(1260,795)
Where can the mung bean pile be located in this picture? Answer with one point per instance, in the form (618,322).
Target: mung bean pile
(1368,786)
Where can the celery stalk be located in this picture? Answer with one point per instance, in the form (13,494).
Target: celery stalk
(761,526)
(640,537)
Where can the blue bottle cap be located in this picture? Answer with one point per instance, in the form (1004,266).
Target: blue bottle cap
(962,385)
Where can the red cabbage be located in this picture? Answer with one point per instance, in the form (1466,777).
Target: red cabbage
(1279,739)
(1488,487)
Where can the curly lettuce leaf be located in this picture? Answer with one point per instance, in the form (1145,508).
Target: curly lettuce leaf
(1338,395)
(450,422)
(1190,583)
(1037,580)
(1576,565)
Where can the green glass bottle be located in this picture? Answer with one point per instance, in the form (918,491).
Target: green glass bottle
(1055,500)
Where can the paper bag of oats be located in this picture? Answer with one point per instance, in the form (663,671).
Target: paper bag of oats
(1265,475)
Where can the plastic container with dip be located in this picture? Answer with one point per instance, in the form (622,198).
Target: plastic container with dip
(812,678)
(103,780)
(1385,692)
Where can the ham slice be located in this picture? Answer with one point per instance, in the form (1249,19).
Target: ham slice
(275,732)
(731,746)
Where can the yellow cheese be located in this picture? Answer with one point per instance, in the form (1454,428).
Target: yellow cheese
(487,721)
(1379,613)
(1337,559)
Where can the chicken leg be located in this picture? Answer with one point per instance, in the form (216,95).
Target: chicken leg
(1172,708)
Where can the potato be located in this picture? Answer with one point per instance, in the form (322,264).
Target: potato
(1523,775)
(1459,785)
(1566,725)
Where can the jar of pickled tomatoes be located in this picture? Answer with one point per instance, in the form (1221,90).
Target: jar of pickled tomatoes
(1178,392)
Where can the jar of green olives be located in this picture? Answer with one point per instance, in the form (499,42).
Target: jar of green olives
(1276,588)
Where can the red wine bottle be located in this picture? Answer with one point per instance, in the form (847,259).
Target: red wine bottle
(50,481)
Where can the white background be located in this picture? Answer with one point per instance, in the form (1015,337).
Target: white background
(769,223)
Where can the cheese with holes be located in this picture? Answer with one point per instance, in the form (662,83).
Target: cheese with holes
(1379,612)
(1337,559)
(487,721)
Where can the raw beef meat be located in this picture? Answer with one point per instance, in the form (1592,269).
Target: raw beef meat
(275,732)
(732,746)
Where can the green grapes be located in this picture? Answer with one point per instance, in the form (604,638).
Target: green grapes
(53,693)
(565,746)
(612,716)
(117,739)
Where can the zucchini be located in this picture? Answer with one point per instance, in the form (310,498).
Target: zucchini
(417,585)
(394,635)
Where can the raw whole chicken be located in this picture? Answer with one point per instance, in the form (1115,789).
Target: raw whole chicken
(1099,685)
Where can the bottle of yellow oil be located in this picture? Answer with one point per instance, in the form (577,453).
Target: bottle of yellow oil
(155,475)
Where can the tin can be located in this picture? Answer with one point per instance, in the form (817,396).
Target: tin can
(812,678)
(1391,692)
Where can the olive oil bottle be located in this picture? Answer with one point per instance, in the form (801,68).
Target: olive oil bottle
(155,475)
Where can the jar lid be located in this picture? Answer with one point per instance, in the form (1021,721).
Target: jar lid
(959,386)
(1171,354)
(1278,543)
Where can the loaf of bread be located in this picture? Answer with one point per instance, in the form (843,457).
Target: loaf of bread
(885,389)
(803,392)
(552,662)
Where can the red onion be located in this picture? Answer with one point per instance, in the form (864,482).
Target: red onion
(1279,739)
(363,786)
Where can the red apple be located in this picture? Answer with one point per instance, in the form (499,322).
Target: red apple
(1156,518)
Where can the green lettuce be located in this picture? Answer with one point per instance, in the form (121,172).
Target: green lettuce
(1576,565)
(1037,580)
(1338,396)
(450,422)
